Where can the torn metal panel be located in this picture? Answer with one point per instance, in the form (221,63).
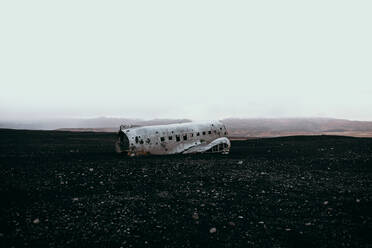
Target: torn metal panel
(221,145)
(193,137)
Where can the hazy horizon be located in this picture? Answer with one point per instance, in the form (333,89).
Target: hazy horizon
(46,119)
(196,60)
(238,128)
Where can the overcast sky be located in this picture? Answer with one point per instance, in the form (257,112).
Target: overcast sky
(185,59)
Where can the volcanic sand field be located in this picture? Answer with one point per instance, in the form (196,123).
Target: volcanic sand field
(68,189)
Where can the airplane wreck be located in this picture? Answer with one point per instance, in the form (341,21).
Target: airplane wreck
(184,138)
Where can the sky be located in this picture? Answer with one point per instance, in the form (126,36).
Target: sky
(185,59)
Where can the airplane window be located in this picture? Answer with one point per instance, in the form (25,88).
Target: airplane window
(185,137)
(209,132)
(162,139)
(178,138)
(203,133)
(170,137)
(197,134)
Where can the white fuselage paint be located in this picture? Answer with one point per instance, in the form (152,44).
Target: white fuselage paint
(193,137)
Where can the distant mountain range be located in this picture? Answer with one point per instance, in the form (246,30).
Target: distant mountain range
(270,127)
(238,128)
(106,123)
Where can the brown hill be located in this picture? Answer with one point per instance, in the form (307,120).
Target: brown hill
(238,128)
(269,127)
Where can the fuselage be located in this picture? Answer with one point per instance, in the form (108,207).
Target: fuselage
(192,137)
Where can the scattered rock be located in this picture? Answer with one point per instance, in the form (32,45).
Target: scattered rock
(163,194)
(195,216)
(231,223)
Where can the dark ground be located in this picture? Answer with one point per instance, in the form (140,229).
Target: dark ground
(63,189)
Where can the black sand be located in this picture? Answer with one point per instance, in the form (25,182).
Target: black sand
(64,189)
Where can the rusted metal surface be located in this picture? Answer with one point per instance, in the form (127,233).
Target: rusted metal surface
(193,137)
